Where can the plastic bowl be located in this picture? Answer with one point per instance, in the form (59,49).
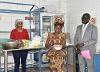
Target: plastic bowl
(58,47)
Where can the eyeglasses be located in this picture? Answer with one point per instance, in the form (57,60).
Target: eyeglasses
(19,22)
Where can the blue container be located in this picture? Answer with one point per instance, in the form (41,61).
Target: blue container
(96,61)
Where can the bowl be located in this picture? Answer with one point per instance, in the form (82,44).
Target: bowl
(57,47)
(10,45)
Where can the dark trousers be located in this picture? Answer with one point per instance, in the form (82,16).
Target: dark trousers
(77,63)
(17,56)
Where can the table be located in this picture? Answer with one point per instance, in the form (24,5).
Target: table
(40,50)
(6,55)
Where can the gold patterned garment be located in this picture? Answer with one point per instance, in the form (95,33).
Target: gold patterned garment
(56,56)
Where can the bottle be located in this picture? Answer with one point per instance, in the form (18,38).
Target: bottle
(86,68)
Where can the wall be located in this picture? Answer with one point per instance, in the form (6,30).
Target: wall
(52,6)
(75,9)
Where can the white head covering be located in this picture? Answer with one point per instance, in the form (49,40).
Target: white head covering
(18,20)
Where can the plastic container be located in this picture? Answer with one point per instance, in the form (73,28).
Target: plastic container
(58,47)
(43,58)
(96,62)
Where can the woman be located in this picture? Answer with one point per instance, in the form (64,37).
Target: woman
(56,56)
(18,34)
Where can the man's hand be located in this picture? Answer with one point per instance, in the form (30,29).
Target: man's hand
(79,45)
(78,51)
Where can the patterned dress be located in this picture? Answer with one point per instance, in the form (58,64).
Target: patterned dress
(56,56)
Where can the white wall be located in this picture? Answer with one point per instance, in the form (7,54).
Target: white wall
(75,10)
(52,6)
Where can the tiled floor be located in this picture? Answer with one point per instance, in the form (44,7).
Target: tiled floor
(69,68)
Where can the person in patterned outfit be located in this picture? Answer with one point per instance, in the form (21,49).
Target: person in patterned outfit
(56,56)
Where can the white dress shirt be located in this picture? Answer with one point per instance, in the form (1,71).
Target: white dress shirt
(84,26)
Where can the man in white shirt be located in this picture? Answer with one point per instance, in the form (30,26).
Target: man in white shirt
(86,39)
(84,26)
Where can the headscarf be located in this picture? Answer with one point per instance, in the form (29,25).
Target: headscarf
(58,19)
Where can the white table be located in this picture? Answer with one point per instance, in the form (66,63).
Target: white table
(10,50)
(33,50)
